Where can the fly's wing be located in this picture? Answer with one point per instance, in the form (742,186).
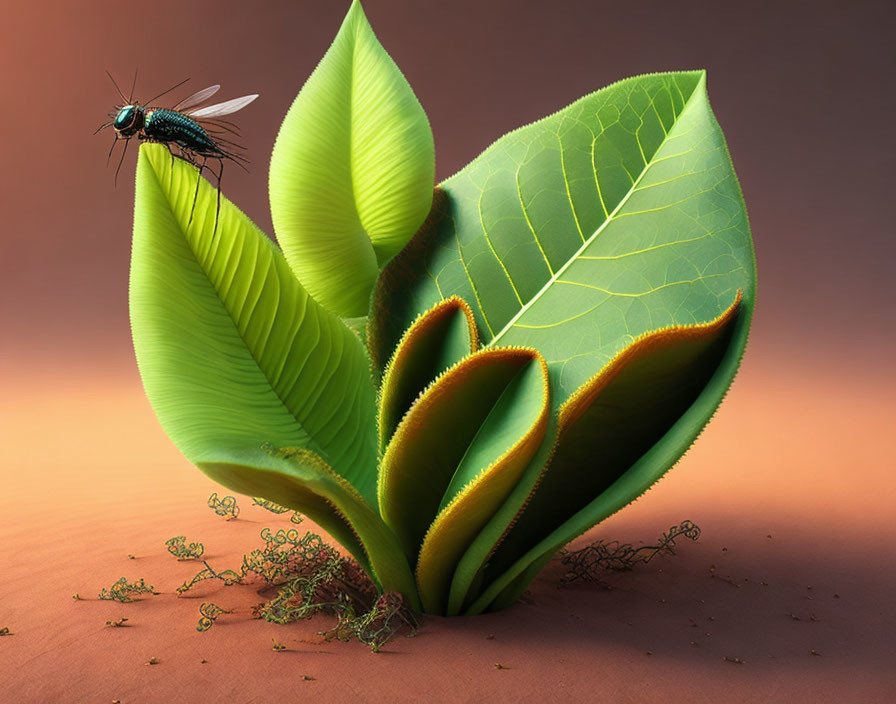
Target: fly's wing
(199,96)
(221,109)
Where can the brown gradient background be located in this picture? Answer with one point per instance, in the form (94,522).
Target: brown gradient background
(802,447)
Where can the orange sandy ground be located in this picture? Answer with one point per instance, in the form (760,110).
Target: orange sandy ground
(793,485)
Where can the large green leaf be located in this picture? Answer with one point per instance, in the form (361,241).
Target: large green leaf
(617,215)
(232,350)
(352,170)
(614,217)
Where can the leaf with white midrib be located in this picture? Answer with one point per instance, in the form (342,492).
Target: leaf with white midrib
(642,167)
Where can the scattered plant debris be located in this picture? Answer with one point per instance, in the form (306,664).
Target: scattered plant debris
(277,646)
(588,563)
(311,577)
(178,547)
(209,613)
(117,623)
(229,577)
(268,505)
(123,591)
(730,580)
(225,507)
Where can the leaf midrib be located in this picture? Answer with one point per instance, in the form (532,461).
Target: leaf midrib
(609,219)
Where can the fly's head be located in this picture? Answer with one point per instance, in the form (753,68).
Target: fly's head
(128,121)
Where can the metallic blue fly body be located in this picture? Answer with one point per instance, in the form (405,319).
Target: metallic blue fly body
(189,131)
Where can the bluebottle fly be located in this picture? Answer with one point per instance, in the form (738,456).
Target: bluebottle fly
(189,131)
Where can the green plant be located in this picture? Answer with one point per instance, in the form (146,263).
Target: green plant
(546,332)
(208,614)
(124,591)
(268,505)
(309,578)
(225,507)
(178,547)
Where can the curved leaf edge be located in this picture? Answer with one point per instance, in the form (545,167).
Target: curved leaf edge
(362,532)
(437,556)
(414,333)
(425,397)
(378,350)
(686,431)
(700,73)
(468,575)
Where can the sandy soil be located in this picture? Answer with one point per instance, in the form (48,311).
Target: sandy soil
(793,486)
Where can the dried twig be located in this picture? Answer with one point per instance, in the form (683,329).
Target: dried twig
(588,563)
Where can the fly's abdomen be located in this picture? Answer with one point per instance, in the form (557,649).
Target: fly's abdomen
(171,126)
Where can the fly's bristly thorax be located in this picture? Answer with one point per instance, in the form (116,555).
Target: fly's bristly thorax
(165,125)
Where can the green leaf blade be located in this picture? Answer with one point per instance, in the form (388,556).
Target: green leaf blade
(437,433)
(619,433)
(490,469)
(232,350)
(352,170)
(615,216)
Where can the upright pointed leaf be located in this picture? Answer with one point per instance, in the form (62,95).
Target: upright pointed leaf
(352,170)
(232,350)
(618,434)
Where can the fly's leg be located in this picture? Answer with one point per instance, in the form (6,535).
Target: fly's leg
(121,161)
(196,192)
(218,206)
